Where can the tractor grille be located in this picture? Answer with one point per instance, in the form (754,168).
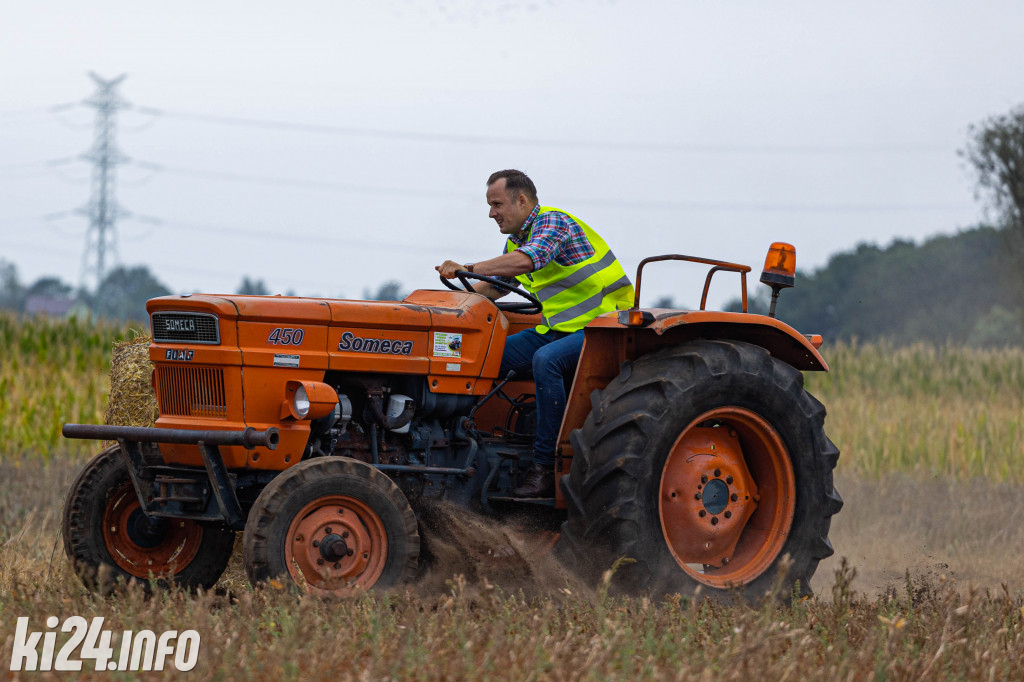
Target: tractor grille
(192,392)
(186,328)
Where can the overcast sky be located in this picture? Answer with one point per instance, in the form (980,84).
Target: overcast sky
(328,146)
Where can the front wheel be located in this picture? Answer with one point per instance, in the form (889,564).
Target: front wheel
(706,463)
(104,525)
(331,525)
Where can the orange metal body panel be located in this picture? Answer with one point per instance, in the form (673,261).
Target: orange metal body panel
(472,316)
(257,360)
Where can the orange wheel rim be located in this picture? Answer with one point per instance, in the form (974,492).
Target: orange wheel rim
(727,497)
(141,545)
(336,545)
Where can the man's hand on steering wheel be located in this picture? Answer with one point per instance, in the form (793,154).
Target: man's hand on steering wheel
(448,268)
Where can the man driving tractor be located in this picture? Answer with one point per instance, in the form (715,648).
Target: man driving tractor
(572,271)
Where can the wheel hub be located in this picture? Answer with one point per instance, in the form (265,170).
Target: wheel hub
(333,548)
(715,496)
(707,496)
(141,545)
(336,543)
(727,497)
(144,531)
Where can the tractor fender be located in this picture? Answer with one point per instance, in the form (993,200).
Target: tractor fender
(610,347)
(670,327)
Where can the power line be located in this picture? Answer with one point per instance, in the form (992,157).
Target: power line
(291,236)
(39,110)
(613,203)
(291,182)
(422,136)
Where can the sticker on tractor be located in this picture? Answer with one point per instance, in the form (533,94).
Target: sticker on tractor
(447,345)
(179,354)
(350,341)
(454,367)
(286,360)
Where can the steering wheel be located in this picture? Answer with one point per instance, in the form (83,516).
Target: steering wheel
(531,306)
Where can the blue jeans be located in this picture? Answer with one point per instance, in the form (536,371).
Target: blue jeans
(551,359)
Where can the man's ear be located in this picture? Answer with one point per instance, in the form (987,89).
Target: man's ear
(522,200)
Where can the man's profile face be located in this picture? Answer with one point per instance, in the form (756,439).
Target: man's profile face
(509,212)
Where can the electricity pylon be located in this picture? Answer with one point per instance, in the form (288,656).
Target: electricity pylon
(102,209)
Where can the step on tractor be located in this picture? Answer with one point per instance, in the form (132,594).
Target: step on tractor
(317,428)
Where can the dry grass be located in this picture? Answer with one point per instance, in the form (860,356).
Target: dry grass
(929,612)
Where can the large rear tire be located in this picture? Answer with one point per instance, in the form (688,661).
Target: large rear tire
(706,463)
(332,525)
(104,525)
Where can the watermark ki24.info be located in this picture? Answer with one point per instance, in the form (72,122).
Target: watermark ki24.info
(143,650)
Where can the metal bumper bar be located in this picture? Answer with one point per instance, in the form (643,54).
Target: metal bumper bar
(206,494)
(248,438)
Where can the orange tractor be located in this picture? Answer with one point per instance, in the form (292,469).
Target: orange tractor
(316,427)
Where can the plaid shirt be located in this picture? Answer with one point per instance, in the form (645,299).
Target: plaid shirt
(551,236)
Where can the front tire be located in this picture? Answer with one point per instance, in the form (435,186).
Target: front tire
(332,525)
(706,463)
(104,526)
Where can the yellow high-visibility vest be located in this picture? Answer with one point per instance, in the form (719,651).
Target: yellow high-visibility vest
(573,295)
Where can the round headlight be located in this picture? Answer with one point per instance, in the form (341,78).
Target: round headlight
(301,402)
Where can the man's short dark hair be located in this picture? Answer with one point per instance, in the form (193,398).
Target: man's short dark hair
(516,183)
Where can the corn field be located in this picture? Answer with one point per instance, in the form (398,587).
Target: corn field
(949,411)
(53,371)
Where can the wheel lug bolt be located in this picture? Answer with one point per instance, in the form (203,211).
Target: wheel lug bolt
(328,530)
(718,472)
(728,514)
(351,552)
(734,497)
(725,560)
(703,478)
(337,564)
(696,496)
(728,479)
(316,543)
(714,520)
(319,562)
(345,534)
(702,513)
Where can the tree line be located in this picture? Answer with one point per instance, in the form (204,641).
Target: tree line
(122,294)
(966,288)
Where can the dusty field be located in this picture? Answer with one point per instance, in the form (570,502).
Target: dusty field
(965,531)
(930,590)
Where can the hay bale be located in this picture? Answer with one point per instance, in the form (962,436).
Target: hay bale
(132,401)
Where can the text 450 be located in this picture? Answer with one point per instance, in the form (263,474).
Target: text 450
(139,651)
(286,336)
